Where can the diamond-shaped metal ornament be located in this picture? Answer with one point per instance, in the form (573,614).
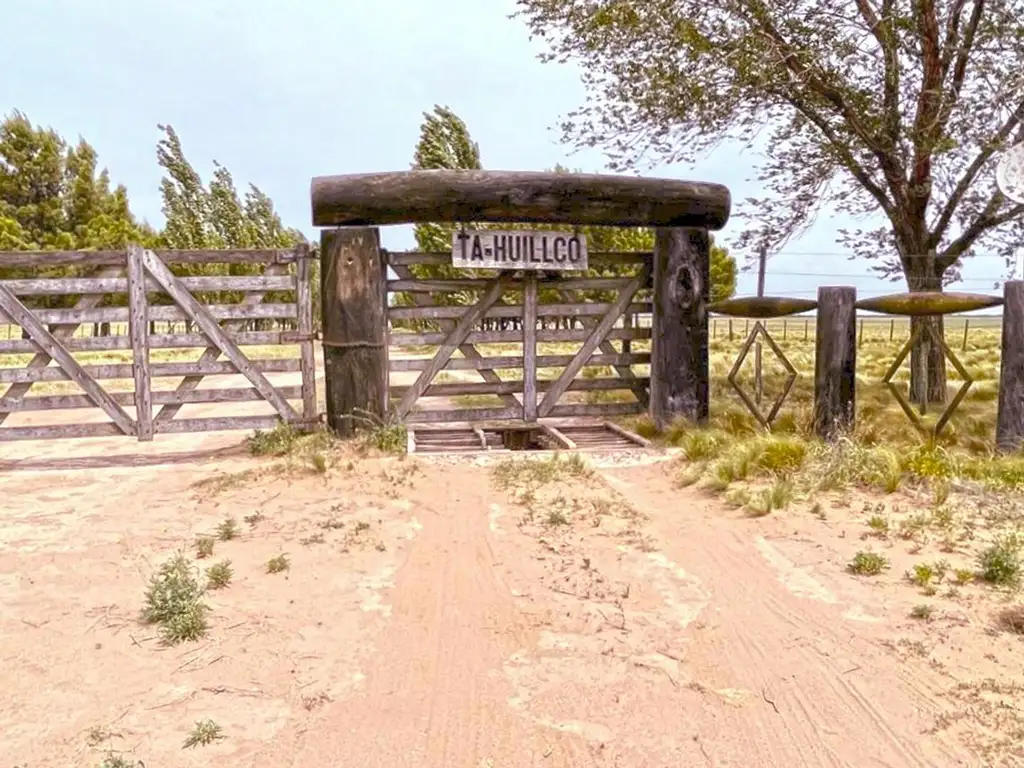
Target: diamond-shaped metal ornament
(904,403)
(764,419)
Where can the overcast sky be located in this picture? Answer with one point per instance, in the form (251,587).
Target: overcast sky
(282,91)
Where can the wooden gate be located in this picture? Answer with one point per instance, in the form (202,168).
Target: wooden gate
(553,344)
(138,288)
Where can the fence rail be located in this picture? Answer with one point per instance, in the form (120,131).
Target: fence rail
(150,293)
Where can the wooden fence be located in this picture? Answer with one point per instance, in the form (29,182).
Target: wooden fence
(138,287)
(533,304)
(837,340)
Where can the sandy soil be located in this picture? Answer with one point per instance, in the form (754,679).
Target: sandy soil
(432,618)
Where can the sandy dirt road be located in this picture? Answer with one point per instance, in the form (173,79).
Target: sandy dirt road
(431,618)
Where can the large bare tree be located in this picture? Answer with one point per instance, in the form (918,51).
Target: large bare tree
(888,111)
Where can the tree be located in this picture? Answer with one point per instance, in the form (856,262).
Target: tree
(201,216)
(892,109)
(53,197)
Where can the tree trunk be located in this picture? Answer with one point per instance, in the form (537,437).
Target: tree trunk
(927,363)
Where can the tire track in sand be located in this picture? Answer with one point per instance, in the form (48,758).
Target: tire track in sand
(434,693)
(811,688)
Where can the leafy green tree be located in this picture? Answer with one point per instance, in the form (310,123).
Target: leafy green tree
(54,197)
(885,109)
(214,216)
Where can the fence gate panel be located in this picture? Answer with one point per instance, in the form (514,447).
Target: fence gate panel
(542,339)
(274,290)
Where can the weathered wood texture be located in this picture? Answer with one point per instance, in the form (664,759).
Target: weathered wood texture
(574,410)
(44,259)
(412,197)
(928,303)
(679,351)
(135,273)
(595,338)
(835,365)
(354,303)
(597,259)
(304,304)
(1010,415)
(138,331)
(529,310)
(762,307)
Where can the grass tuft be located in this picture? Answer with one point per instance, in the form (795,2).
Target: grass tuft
(219,575)
(173,601)
(204,733)
(868,564)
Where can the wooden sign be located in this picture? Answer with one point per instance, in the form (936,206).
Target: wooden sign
(519,249)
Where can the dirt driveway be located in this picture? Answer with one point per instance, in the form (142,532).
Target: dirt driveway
(467,614)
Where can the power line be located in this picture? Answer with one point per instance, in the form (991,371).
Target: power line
(876,277)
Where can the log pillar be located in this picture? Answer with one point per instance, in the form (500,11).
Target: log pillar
(680,373)
(1010,414)
(353,279)
(835,362)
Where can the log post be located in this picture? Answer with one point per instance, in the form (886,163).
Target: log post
(679,334)
(1010,413)
(353,280)
(835,362)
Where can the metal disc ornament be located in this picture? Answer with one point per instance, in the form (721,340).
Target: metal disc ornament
(1010,173)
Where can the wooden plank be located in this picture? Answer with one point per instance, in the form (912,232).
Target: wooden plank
(463,388)
(505,362)
(467,350)
(209,327)
(680,368)
(354,326)
(63,332)
(448,346)
(169,314)
(577,410)
(559,437)
(138,332)
(530,348)
(158,397)
(63,286)
(57,431)
(46,259)
(158,341)
(596,259)
(623,370)
(611,426)
(600,332)
(410,440)
(470,415)
(51,346)
(1010,411)
(156,370)
(464,415)
(835,366)
(514,337)
(479,284)
(549,197)
(218,424)
(580,309)
(211,352)
(304,304)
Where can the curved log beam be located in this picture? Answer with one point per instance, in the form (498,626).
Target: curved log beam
(415,197)
(928,303)
(762,307)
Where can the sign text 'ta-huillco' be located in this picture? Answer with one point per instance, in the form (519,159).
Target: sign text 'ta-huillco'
(519,249)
